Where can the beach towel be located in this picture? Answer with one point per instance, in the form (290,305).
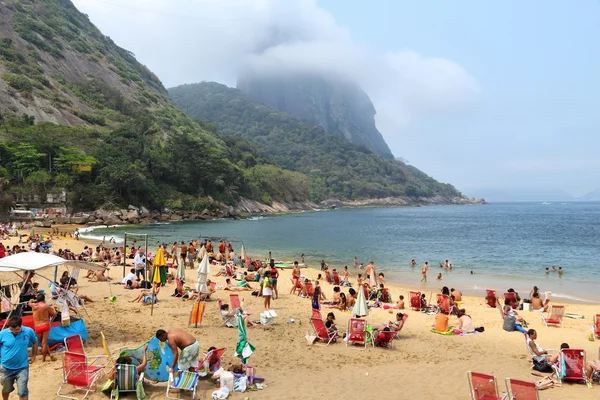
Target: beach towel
(449,332)
(160,358)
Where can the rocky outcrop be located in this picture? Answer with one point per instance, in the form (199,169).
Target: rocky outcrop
(246,206)
(335,104)
(401,201)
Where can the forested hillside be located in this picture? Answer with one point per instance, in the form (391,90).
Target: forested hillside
(334,166)
(80,113)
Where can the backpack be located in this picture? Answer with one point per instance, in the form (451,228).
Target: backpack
(145,285)
(509,323)
(542,366)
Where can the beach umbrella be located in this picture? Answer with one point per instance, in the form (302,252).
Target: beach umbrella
(243,254)
(202,251)
(157,262)
(181,271)
(203,271)
(360,307)
(243,349)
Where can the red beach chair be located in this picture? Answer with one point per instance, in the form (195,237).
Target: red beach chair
(228,270)
(234,301)
(415,300)
(336,278)
(328,277)
(443,302)
(483,386)
(597,325)
(77,372)
(490,297)
(316,314)
(513,299)
(555,316)
(521,390)
(74,344)
(356,332)
(574,362)
(310,289)
(384,339)
(298,284)
(321,331)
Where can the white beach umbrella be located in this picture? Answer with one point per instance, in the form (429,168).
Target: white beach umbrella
(202,252)
(203,271)
(360,307)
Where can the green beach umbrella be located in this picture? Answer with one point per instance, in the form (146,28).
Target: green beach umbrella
(243,349)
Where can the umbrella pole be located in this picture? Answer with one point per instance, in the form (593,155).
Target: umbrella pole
(152,302)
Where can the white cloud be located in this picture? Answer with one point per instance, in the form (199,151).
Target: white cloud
(190,41)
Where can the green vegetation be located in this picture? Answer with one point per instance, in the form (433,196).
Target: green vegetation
(334,167)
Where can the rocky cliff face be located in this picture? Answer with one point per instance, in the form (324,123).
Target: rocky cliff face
(336,105)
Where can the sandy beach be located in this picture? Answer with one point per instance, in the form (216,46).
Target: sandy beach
(421,364)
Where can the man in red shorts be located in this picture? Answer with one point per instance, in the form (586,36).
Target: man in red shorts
(41,319)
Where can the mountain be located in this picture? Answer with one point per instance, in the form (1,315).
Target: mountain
(522,194)
(79,113)
(335,104)
(335,167)
(591,196)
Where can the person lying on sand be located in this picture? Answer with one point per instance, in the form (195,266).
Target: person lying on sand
(147,296)
(240,286)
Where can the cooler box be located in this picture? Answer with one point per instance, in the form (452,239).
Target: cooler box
(267,317)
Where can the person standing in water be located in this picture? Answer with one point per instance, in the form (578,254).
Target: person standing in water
(424,271)
(355,262)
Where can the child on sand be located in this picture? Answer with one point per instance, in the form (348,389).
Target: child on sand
(439,277)
(400,303)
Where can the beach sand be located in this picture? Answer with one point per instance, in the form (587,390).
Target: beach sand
(422,365)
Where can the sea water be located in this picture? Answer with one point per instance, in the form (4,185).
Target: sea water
(494,246)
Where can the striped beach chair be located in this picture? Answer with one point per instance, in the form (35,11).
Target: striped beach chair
(126,379)
(184,381)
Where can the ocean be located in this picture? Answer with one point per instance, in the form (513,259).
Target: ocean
(493,246)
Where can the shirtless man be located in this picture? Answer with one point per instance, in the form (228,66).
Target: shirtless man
(41,319)
(446,264)
(174,248)
(179,339)
(537,304)
(457,294)
(424,272)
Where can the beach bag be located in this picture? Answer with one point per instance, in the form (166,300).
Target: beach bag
(146,285)
(546,383)
(542,366)
(509,323)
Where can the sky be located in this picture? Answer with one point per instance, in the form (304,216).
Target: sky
(489,96)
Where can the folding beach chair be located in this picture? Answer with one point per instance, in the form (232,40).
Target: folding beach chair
(184,381)
(596,326)
(126,379)
(336,278)
(384,339)
(316,314)
(513,299)
(555,316)
(521,390)
(483,386)
(110,355)
(74,344)
(211,363)
(322,332)
(328,277)
(228,270)
(415,301)
(490,298)
(443,302)
(234,301)
(356,332)
(78,373)
(225,320)
(310,289)
(572,365)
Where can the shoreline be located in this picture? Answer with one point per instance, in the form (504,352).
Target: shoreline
(402,275)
